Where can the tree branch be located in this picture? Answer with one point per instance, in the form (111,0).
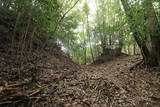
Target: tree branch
(63,16)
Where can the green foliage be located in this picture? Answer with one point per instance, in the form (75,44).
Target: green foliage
(40,17)
(41,14)
(77,30)
(86,8)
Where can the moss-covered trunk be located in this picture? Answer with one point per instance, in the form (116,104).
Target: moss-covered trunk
(151,55)
(153,28)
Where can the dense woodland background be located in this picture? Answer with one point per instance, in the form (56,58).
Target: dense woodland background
(61,34)
(129,26)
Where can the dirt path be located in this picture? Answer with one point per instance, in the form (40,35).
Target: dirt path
(111,84)
(62,83)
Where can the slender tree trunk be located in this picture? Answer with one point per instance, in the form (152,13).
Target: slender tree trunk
(134,49)
(110,40)
(89,36)
(85,54)
(128,50)
(85,48)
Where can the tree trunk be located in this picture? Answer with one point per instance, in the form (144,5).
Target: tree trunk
(150,58)
(152,26)
(134,49)
(89,36)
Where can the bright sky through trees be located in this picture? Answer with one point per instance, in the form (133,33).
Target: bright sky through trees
(92,6)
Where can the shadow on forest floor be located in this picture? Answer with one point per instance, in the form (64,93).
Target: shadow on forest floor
(61,83)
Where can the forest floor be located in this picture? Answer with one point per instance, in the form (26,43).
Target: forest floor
(111,84)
